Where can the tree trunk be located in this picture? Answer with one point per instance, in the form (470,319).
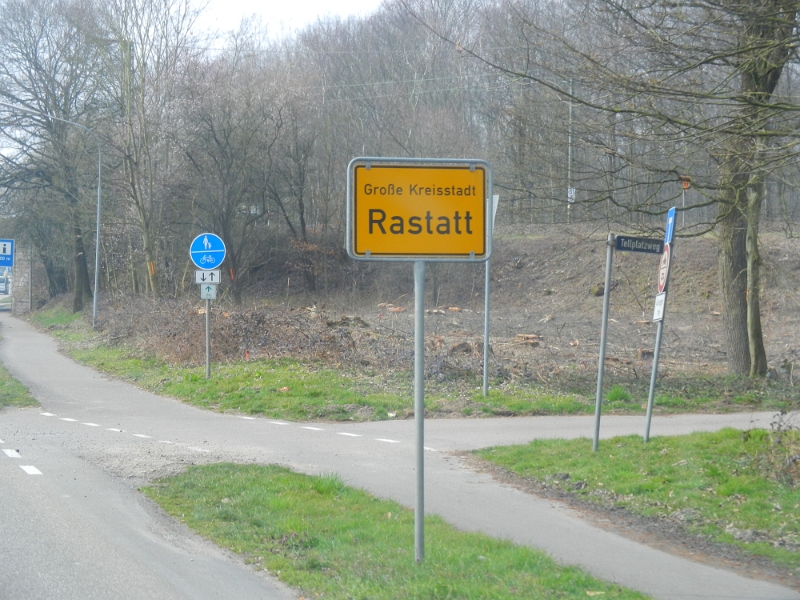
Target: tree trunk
(150,259)
(83,290)
(758,355)
(733,283)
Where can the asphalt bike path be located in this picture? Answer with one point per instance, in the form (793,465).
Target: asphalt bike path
(120,434)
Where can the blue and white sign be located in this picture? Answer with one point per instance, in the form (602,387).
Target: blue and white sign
(207,251)
(669,233)
(6,253)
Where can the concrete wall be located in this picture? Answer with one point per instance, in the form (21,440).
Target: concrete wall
(20,289)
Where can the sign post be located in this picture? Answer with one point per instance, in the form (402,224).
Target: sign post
(207,252)
(419,210)
(486,294)
(625,244)
(658,312)
(603,333)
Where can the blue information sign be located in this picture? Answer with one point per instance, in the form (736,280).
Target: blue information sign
(6,253)
(669,233)
(207,251)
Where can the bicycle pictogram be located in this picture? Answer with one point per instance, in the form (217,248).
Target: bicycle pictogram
(207,251)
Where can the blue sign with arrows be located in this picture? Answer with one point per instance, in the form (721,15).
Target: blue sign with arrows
(207,251)
(669,233)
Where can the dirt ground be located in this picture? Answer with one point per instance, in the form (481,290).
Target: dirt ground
(545,315)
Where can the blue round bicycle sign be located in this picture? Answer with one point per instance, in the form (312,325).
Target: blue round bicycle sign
(207,251)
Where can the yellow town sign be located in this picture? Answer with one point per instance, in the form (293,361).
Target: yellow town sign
(408,210)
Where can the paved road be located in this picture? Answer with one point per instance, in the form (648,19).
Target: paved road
(107,433)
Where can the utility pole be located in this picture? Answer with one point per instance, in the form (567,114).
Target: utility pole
(686,180)
(570,189)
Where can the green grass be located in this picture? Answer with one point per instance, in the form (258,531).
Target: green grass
(283,389)
(330,540)
(13,393)
(307,390)
(618,393)
(730,485)
(295,390)
(56,317)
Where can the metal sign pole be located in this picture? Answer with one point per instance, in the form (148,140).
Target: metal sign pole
(419,406)
(603,331)
(391,217)
(660,313)
(208,339)
(30,281)
(653,376)
(486,290)
(486,329)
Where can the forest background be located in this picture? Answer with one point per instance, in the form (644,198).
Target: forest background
(596,115)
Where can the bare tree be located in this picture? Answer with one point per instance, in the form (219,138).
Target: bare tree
(232,118)
(148,45)
(698,76)
(50,70)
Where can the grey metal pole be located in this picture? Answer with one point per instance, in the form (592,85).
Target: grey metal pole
(97,238)
(683,204)
(603,331)
(208,339)
(30,281)
(569,151)
(419,406)
(486,293)
(653,375)
(486,329)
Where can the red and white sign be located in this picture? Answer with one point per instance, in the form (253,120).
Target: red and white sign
(663,269)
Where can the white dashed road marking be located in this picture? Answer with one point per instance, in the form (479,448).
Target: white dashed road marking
(11,453)
(431,449)
(2,442)
(30,470)
(35,471)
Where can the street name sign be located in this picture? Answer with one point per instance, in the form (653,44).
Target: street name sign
(207,251)
(6,253)
(418,209)
(637,244)
(206,277)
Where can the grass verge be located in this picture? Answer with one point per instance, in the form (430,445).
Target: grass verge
(306,390)
(330,540)
(13,393)
(735,487)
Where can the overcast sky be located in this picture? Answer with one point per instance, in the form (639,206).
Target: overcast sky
(280,15)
